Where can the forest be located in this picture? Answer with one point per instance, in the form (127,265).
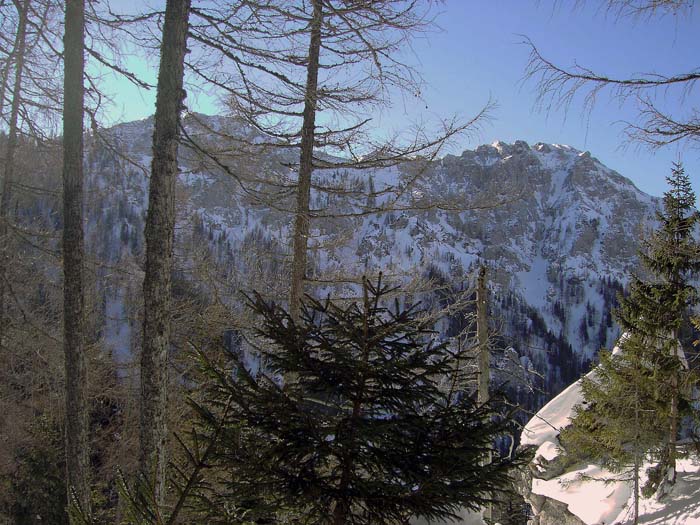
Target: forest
(190,331)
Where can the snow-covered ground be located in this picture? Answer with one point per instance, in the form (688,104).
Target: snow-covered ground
(597,496)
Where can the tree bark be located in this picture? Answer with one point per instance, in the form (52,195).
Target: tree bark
(482,336)
(77,452)
(484,360)
(673,423)
(9,164)
(160,233)
(308,131)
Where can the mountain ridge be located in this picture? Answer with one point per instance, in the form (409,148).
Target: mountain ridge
(557,229)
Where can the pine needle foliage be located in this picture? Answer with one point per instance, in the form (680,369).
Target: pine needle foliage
(370,430)
(622,417)
(634,399)
(657,307)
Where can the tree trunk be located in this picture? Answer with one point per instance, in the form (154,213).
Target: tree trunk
(482,336)
(9,171)
(160,233)
(308,131)
(77,453)
(482,333)
(637,457)
(673,426)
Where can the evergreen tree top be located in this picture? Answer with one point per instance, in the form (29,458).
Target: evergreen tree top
(372,430)
(657,306)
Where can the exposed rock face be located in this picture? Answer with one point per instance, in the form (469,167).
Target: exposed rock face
(555,513)
(547,511)
(557,229)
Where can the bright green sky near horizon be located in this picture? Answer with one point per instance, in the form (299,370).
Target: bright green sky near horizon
(477,55)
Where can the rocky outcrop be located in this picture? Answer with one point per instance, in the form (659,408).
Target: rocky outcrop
(546,511)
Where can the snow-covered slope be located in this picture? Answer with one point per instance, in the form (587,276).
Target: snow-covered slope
(557,229)
(589,494)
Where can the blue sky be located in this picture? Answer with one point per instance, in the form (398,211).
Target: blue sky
(477,54)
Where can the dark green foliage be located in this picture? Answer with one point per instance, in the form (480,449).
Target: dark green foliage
(369,427)
(657,307)
(634,399)
(623,417)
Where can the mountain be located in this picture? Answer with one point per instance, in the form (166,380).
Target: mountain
(556,228)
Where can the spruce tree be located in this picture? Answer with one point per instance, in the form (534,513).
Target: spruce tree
(373,429)
(632,398)
(621,422)
(657,308)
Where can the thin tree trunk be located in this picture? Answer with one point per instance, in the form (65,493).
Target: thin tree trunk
(77,456)
(160,233)
(9,161)
(308,131)
(342,507)
(482,334)
(19,39)
(673,426)
(637,455)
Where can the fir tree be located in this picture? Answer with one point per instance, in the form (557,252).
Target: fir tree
(656,309)
(374,430)
(633,397)
(622,419)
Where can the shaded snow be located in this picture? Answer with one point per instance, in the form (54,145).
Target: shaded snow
(591,493)
(681,506)
(545,426)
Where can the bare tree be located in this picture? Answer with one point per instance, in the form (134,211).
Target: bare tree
(17,55)
(26,78)
(77,444)
(308,77)
(656,127)
(160,233)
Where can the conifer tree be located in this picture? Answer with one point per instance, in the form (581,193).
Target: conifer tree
(622,419)
(632,398)
(369,433)
(657,308)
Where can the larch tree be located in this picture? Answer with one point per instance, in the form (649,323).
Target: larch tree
(160,233)
(300,236)
(655,126)
(16,56)
(308,77)
(77,442)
